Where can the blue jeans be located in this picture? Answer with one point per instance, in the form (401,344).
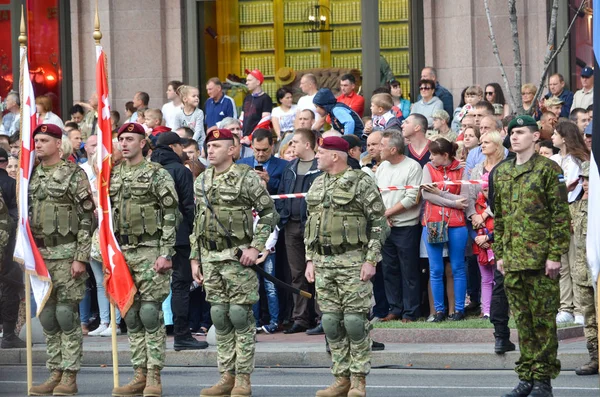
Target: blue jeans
(103,302)
(457,242)
(85,306)
(271,291)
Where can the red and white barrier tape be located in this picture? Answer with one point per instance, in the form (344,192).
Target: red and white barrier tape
(386,189)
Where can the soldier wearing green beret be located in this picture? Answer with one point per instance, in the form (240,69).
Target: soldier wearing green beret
(582,278)
(532,231)
(61,210)
(343,236)
(145,215)
(226,193)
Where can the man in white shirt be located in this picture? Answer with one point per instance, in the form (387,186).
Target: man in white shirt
(308,85)
(401,270)
(585,96)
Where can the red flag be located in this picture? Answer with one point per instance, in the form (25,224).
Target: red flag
(117,278)
(26,251)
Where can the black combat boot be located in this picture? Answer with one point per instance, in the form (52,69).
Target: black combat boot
(503,345)
(541,388)
(188,342)
(521,390)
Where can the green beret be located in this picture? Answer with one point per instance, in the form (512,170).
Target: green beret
(522,121)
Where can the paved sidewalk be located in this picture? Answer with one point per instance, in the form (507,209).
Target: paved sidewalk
(301,350)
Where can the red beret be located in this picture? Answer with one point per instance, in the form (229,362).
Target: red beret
(222,134)
(134,128)
(334,143)
(257,74)
(49,129)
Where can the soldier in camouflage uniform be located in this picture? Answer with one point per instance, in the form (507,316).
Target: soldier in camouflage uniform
(343,238)
(61,210)
(582,277)
(145,214)
(225,195)
(532,225)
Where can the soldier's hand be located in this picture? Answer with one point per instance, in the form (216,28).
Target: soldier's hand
(309,273)
(552,269)
(500,266)
(77,269)
(161,265)
(367,271)
(197,271)
(249,256)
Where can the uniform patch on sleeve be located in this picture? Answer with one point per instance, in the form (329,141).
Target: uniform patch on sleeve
(88,205)
(168,201)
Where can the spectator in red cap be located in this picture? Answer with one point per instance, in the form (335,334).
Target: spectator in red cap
(257,107)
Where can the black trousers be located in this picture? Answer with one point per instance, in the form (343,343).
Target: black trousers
(382,307)
(499,307)
(180,287)
(11,290)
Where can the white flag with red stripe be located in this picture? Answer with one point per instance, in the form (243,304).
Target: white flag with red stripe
(26,251)
(117,280)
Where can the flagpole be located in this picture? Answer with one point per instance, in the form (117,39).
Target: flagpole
(113,323)
(29,355)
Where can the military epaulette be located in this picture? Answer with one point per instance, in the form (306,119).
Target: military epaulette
(154,166)
(66,170)
(240,169)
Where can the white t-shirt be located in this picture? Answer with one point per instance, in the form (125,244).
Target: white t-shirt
(169,111)
(286,119)
(306,102)
(571,172)
(406,172)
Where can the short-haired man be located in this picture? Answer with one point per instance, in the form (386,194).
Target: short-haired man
(268,167)
(10,121)
(144,187)
(257,107)
(140,102)
(414,129)
(170,109)
(297,177)
(185,132)
(349,96)
(218,105)
(191,149)
(580,117)
(556,85)
(308,85)
(372,159)
(401,269)
(584,97)
(226,194)
(305,119)
(429,73)
(74,136)
(531,232)
(480,110)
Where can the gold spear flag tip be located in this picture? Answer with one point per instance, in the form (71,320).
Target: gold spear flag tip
(97,34)
(23,31)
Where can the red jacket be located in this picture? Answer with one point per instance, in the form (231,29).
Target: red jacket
(452,172)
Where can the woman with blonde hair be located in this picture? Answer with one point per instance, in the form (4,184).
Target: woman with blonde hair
(43,105)
(528,92)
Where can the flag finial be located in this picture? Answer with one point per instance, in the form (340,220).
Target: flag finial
(97,33)
(23,31)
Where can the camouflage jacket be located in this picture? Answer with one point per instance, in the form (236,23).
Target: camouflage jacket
(532,221)
(232,195)
(345,212)
(145,206)
(61,210)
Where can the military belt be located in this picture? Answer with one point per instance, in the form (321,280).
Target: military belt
(53,241)
(130,239)
(330,249)
(218,245)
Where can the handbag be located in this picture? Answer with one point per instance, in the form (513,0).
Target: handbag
(437,232)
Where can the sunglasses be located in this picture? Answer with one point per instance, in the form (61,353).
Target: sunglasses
(489,93)
(425,88)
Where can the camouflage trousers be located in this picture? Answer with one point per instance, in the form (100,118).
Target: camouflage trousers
(534,300)
(147,349)
(340,291)
(229,283)
(589,311)
(65,349)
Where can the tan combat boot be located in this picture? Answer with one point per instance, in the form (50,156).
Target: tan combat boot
(242,386)
(46,388)
(358,386)
(133,388)
(339,388)
(67,385)
(222,388)
(153,385)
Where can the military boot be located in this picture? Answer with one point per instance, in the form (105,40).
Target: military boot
(339,388)
(242,386)
(153,385)
(222,388)
(133,388)
(591,368)
(46,388)
(541,388)
(67,385)
(358,386)
(521,390)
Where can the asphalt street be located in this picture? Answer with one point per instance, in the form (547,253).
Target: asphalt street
(302,382)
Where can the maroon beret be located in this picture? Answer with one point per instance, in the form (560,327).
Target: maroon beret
(334,143)
(49,129)
(222,134)
(134,128)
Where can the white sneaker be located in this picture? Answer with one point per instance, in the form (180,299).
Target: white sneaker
(431,318)
(564,317)
(579,319)
(98,331)
(108,331)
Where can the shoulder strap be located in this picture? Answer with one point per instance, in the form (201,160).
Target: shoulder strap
(213,213)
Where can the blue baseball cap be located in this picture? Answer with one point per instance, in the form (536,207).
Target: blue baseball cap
(587,72)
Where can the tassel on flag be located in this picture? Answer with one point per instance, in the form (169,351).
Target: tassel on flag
(117,278)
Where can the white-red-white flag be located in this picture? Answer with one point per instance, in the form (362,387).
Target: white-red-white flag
(117,278)
(26,251)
